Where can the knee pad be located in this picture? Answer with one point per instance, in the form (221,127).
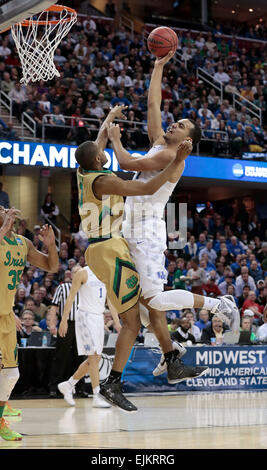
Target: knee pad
(8,380)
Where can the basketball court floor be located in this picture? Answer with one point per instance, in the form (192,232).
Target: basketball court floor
(188,421)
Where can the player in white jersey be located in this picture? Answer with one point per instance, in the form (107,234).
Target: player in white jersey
(144,227)
(89,329)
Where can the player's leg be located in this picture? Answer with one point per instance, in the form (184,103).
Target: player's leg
(93,369)
(148,256)
(9,374)
(179,299)
(162,365)
(67,388)
(176,370)
(111,389)
(111,262)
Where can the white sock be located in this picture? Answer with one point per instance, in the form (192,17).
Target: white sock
(73,381)
(96,390)
(209,303)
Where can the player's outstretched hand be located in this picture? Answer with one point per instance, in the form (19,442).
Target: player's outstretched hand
(184,149)
(164,60)
(117,112)
(11,215)
(47,235)
(114,132)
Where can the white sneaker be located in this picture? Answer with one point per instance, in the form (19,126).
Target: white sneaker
(162,365)
(67,391)
(226,309)
(98,402)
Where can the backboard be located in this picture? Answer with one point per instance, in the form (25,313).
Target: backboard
(14,11)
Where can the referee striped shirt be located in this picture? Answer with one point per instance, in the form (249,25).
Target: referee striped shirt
(60,298)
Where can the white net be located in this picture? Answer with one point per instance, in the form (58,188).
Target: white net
(36,41)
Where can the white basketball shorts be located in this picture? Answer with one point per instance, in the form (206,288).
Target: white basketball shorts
(89,329)
(148,256)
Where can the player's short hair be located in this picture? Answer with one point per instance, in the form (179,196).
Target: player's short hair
(195,132)
(85,154)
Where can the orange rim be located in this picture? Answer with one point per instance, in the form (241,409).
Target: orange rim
(56,8)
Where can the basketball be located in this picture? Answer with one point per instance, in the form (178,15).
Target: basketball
(161,41)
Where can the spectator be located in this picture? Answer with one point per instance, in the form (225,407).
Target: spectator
(18,97)
(194,329)
(25,283)
(221,75)
(40,308)
(182,334)
(19,301)
(5,51)
(49,209)
(262,330)
(120,99)
(244,279)
(28,322)
(23,230)
(246,326)
(7,84)
(29,304)
(173,325)
(191,248)
(255,271)
(215,330)
(203,321)
(48,324)
(251,304)
(197,276)
(170,276)
(43,296)
(211,253)
(211,288)
(228,281)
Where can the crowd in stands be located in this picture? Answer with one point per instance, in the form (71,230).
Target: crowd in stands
(100,66)
(257,31)
(226,253)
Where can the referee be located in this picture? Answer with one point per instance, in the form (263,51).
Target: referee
(65,360)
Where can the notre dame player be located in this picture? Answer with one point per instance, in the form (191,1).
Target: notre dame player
(15,251)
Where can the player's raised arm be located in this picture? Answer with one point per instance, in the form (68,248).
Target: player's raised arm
(156,162)
(115,113)
(41,260)
(109,184)
(155,131)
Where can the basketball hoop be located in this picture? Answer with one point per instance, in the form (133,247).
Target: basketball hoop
(37,39)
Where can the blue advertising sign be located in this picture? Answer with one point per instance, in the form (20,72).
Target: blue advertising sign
(230,368)
(63,156)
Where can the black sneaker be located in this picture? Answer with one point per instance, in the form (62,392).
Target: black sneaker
(113,394)
(177,371)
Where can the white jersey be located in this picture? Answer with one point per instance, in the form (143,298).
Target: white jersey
(144,228)
(152,205)
(92,294)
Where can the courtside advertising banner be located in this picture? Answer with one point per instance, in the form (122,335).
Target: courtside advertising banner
(63,156)
(230,368)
